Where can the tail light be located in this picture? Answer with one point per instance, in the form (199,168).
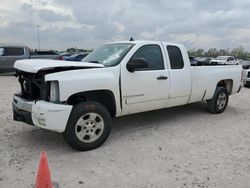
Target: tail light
(60,57)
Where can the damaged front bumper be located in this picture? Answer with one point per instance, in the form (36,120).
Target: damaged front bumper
(22,110)
(41,113)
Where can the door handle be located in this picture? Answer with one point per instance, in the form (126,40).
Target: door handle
(162,77)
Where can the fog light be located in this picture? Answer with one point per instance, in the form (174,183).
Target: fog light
(41,121)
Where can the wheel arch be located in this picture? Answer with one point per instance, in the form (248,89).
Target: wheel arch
(104,97)
(227,84)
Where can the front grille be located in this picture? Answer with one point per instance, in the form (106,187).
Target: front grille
(248,75)
(33,86)
(30,90)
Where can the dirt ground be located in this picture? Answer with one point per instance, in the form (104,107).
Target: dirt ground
(177,147)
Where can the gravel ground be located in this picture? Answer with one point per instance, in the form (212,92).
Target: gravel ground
(177,147)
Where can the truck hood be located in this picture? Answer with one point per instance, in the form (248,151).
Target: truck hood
(33,66)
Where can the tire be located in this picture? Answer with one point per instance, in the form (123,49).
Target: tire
(219,102)
(88,127)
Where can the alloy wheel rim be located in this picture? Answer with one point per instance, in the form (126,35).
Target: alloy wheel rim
(89,127)
(221,101)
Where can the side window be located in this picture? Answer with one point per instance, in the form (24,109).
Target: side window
(13,51)
(175,57)
(153,56)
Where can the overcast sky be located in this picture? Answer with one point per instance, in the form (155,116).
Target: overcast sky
(88,23)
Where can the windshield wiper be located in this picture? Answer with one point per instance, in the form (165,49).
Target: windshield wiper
(94,62)
(97,62)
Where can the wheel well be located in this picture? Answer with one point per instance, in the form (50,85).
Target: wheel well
(104,97)
(227,84)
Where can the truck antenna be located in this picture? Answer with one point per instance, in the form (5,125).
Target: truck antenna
(131,39)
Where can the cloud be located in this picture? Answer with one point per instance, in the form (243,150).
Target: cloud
(51,16)
(88,23)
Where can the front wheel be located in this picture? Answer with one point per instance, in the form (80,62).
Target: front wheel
(219,102)
(88,127)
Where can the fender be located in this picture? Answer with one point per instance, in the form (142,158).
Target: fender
(84,80)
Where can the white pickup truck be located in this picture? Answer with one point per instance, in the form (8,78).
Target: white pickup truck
(79,99)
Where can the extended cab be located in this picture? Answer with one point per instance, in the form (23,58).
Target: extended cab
(79,99)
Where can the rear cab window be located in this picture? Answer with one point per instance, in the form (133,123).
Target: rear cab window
(175,57)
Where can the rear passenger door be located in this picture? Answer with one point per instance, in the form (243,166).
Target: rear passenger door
(180,74)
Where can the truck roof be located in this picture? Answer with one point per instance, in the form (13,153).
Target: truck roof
(144,42)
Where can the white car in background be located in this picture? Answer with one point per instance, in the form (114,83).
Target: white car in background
(225,60)
(246,77)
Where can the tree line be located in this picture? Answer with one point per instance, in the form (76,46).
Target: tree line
(239,52)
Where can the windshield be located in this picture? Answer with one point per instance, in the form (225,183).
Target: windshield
(221,58)
(109,54)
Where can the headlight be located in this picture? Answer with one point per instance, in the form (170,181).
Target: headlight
(54,91)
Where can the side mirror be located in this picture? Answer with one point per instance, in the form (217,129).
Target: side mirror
(135,64)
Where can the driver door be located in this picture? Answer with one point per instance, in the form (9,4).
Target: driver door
(145,89)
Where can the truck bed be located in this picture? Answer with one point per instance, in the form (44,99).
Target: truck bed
(205,79)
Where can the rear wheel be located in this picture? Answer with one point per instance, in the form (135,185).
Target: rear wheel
(219,102)
(88,127)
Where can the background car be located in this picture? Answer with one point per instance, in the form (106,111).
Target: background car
(204,60)
(193,60)
(225,60)
(246,71)
(66,55)
(11,53)
(245,63)
(75,57)
(246,77)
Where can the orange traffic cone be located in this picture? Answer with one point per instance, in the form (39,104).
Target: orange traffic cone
(43,178)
